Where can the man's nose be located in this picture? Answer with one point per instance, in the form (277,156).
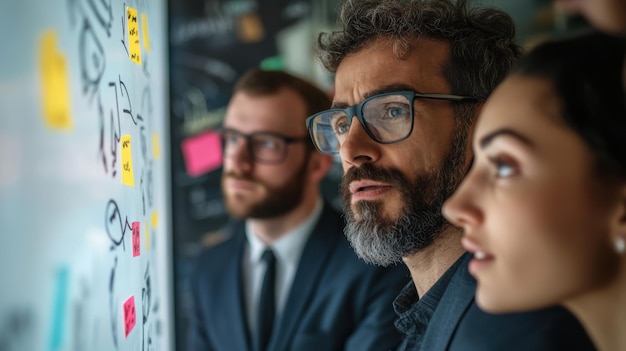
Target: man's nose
(358,147)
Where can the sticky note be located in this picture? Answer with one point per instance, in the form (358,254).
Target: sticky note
(129,315)
(60,309)
(250,28)
(133,35)
(144,31)
(202,153)
(136,242)
(155,219)
(127,161)
(147,241)
(54,83)
(156,150)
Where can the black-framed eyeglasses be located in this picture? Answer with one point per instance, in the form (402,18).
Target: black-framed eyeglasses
(387,118)
(263,147)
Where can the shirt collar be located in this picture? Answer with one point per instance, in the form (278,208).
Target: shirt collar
(289,247)
(414,313)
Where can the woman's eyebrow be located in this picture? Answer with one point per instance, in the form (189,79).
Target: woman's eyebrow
(487,139)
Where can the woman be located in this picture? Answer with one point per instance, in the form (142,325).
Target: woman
(544,205)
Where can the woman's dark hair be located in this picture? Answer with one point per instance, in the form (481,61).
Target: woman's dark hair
(587,73)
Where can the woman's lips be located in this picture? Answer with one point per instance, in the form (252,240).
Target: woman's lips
(482,259)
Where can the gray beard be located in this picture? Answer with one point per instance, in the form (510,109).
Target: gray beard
(383,241)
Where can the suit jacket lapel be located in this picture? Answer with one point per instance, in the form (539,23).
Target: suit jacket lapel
(314,258)
(457,298)
(232,294)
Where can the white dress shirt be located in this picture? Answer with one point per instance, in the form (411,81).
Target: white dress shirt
(287,251)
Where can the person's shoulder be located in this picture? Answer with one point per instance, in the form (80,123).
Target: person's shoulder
(552,328)
(219,253)
(331,217)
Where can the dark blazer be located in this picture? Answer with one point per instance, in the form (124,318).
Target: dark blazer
(458,324)
(336,302)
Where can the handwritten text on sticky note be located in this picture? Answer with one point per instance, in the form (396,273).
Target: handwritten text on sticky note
(136,239)
(127,161)
(133,35)
(129,315)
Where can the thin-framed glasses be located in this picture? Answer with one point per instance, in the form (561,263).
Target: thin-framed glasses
(263,147)
(387,118)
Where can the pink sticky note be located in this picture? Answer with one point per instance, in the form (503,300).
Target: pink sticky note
(202,153)
(136,242)
(129,315)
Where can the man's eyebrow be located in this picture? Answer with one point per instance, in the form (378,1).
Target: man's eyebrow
(487,139)
(385,89)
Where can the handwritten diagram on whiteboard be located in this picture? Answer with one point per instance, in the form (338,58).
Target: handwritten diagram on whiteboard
(84,176)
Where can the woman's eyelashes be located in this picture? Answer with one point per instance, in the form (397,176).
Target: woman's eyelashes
(503,166)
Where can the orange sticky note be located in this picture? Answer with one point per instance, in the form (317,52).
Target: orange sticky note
(127,161)
(250,28)
(202,153)
(144,31)
(133,35)
(156,150)
(55,85)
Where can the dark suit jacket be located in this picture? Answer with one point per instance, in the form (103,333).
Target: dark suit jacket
(336,302)
(458,324)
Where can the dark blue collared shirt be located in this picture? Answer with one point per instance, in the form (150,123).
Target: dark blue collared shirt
(415,313)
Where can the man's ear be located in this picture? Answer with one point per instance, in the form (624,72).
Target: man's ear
(319,166)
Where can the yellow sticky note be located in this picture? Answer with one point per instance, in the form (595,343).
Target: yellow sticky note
(127,162)
(144,31)
(155,219)
(55,84)
(133,35)
(147,241)
(156,151)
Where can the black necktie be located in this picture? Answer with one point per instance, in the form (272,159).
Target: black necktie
(267,304)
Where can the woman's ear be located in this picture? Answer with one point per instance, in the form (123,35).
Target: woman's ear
(319,166)
(619,232)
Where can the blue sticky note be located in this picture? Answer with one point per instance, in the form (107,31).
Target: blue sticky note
(59,308)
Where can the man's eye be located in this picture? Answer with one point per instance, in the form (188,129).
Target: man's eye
(267,144)
(230,138)
(341,126)
(396,112)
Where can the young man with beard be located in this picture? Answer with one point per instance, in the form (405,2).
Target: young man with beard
(410,79)
(325,297)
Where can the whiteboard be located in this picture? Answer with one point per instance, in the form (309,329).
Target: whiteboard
(84,176)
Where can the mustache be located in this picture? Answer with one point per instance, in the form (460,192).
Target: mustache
(238,176)
(369,171)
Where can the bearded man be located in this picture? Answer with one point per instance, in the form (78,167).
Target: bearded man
(286,241)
